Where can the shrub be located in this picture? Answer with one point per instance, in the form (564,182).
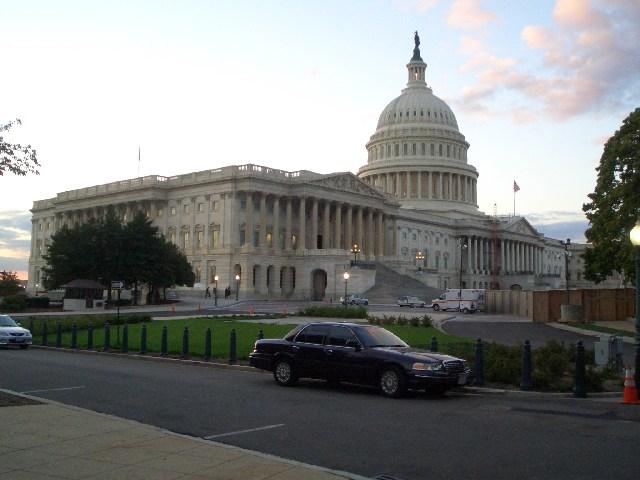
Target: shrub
(334,312)
(82,322)
(414,321)
(503,364)
(426,321)
(401,320)
(14,303)
(37,302)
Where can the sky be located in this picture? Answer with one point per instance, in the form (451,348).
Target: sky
(537,88)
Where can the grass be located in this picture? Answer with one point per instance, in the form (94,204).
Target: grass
(598,328)
(246,335)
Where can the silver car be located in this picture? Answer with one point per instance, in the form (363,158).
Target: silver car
(11,333)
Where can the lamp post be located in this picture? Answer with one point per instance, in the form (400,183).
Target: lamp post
(566,265)
(419,259)
(237,285)
(346,280)
(215,290)
(355,250)
(463,247)
(634,235)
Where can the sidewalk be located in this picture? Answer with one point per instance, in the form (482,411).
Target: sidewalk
(41,439)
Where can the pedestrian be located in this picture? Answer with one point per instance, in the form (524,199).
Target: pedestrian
(207,293)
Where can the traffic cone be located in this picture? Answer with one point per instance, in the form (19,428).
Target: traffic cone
(630,394)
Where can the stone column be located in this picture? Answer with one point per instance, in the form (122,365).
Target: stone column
(502,269)
(440,190)
(482,269)
(262,238)
(314,224)
(380,234)
(419,180)
(398,185)
(348,234)
(338,226)
(326,230)
(450,187)
(302,231)
(289,226)
(468,255)
(359,229)
(429,185)
(249,228)
(275,234)
(371,238)
(459,196)
(394,236)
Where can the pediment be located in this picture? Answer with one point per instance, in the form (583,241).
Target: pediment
(522,227)
(347,182)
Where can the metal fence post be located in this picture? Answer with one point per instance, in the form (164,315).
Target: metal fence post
(525,384)
(260,335)
(580,390)
(45,335)
(163,342)
(232,347)
(107,337)
(207,345)
(125,339)
(185,343)
(74,335)
(31,327)
(143,339)
(90,336)
(434,344)
(58,335)
(478,379)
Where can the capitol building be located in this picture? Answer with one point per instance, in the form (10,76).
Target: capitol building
(411,208)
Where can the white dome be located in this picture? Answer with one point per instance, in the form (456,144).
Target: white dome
(417,104)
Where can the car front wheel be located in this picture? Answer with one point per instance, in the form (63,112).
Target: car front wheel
(436,308)
(392,382)
(284,374)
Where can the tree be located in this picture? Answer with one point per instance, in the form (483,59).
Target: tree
(9,283)
(615,204)
(14,157)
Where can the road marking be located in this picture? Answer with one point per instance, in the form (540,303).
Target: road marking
(53,389)
(249,430)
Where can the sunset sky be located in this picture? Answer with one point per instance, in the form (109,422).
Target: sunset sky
(537,88)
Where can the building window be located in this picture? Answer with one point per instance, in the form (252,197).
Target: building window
(405,149)
(172,211)
(424,149)
(437,261)
(198,274)
(40,226)
(397,149)
(200,207)
(214,236)
(215,205)
(440,149)
(256,238)
(269,240)
(404,235)
(242,236)
(185,239)
(414,237)
(448,150)
(160,212)
(445,259)
(414,149)
(172,236)
(199,239)
(294,241)
(212,273)
(243,203)
(432,149)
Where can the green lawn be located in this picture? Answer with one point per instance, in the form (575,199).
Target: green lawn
(598,328)
(246,334)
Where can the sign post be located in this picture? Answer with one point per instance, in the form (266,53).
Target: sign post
(117,285)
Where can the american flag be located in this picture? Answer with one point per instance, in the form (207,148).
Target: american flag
(515,186)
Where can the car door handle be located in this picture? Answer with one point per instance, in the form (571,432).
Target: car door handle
(295,348)
(329,352)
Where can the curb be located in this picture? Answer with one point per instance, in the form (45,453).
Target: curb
(536,394)
(339,473)
(137,356)
(590,333)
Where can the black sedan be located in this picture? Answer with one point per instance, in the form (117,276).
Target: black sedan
(364,354)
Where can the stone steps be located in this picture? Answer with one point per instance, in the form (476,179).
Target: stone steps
(390,285)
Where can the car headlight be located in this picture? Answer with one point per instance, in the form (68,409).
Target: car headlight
(433,367)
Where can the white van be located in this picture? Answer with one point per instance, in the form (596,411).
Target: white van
(464,300)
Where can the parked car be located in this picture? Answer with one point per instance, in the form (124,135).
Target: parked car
(410,302)
(363,354)
(354,299)
(11,333)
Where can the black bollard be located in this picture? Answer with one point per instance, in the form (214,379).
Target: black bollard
(478,379)
(58,335)
(580,389)
(232,347)
(434,344)
(143,340)
(207,345)
(525,383)
(163,342)
(185,343)
(45,335)
(90,336)
(107,337)
(74,335)
(260,335)
(31,327)
(125,339)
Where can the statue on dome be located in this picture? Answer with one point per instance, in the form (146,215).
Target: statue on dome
(416,50)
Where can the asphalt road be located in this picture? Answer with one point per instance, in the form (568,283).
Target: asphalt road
(347,428)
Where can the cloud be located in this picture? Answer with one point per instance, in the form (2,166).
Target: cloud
(589,55)
(469,14)
(420,6)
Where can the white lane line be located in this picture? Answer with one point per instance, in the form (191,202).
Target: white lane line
(249,430)
(52,389)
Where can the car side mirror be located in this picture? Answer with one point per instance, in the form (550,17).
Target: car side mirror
(354,344)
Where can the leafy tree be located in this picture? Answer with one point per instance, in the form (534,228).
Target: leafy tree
(615,204)
(9,283)
(14,157)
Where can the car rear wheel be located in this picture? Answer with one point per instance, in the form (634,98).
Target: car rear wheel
(436,308)
(465,310)
(392,382)
(284,374)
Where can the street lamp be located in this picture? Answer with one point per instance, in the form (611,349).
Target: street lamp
(346,279)
(463,247)
(566,265)
(634,235)
(237,285)
(419,259)
(215,290)
(355,250)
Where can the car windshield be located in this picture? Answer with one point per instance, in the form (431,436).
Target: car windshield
(379,337)
(6,321)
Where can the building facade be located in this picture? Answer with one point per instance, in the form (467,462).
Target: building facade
(412,207)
